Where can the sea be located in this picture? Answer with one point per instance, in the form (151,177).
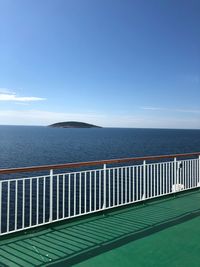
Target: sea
(22,146)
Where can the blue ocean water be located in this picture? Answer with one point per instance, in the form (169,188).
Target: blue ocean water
(32,145)
(28,146)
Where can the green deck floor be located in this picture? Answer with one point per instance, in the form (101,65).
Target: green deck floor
(164,232)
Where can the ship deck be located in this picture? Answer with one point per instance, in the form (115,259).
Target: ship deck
(159,232)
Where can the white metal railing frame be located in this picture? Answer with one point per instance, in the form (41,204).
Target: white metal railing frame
(124,184)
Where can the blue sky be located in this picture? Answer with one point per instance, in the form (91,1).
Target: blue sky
(117,63)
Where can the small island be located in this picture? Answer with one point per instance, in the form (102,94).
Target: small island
(73,124)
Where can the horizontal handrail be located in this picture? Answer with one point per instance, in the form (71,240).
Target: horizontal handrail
(93,163)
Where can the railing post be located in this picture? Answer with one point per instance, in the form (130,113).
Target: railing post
(179,172)
(175,174)
(144,180)
(104,186)
(51,197)
(198,184)
(0,204)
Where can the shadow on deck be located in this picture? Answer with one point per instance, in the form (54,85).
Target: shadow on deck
(75,241)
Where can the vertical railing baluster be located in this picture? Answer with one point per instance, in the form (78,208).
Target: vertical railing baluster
(175,174)
(147,182)
(154,179)
(95,190)
(109,188)
(196,172)
(8,206)
(179,173)
(114,174)
(23,202)
(44,199)
(190,173)
(185,173)
(0,206)
(144,180)
(90,190)
(140,167)
(80,193)
(85,192)
(100,172)
(57,196)
(117,186)
(122,186)
(30,207)
(16,203)
(125,184)
(37,201)
(160,178)
(169,176)
(69,195)
(133,187)
(63,199)
(129,184)
(193,173)
(163,178)
(191,169)
(150,180)
(137,183)
(198,184)
(74,194)
(167,180)
(157,179)
(184,170)
(51,196)
(104,186)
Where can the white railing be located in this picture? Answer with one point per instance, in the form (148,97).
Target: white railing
(33,201)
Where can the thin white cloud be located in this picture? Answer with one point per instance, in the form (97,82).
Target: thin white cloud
(197,111)
(8,95)
(152,108)
(5,91)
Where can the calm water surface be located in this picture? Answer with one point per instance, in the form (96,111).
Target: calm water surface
(28,145)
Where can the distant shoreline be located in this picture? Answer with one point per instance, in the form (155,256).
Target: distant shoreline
(136,128)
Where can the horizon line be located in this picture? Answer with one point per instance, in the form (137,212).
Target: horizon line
(105,127)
